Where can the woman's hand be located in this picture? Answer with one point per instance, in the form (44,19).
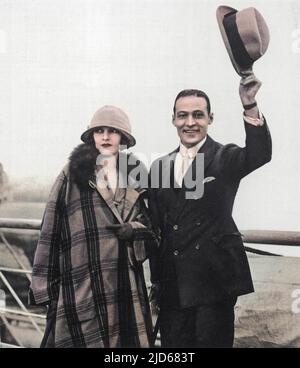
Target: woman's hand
(122,231)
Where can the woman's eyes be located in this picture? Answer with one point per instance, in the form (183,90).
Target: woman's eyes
(110,131)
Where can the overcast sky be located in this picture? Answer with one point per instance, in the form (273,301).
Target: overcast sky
(61,60)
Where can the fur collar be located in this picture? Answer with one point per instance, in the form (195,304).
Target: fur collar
(82,165)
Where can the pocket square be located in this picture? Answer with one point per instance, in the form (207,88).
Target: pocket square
(208,179)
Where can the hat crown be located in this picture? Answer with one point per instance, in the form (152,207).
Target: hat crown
(110,116)
(253,31)
(245,34)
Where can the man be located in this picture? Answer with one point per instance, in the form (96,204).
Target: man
(202,266)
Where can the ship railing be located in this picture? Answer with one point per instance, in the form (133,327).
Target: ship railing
(11,314)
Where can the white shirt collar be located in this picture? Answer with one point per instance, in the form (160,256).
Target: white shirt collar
(192,151)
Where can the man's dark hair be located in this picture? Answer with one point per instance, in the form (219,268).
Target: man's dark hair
(192,92)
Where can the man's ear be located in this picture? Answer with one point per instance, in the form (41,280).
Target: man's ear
(173,119)
(211,118)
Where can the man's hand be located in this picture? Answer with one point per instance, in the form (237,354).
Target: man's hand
(122,231)
(249,86)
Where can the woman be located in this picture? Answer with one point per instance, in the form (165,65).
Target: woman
(94,238)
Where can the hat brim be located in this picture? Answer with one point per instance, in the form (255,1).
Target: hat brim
(129,138)
(221,12)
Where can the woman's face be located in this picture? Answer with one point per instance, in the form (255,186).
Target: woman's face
(107,140)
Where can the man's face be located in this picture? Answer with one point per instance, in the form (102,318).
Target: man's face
(191,120)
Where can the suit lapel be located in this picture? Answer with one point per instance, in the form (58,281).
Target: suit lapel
(209,150)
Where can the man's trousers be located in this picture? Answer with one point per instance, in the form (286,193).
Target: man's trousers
(203,326)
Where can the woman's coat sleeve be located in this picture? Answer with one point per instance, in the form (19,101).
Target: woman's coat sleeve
(45,274)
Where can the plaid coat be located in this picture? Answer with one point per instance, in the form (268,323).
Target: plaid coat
(93,282)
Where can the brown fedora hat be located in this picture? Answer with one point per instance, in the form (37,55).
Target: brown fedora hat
(245,34)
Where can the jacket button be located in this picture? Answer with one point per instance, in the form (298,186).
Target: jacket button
(175,227)
(175,252)
(198,223)
(197,246)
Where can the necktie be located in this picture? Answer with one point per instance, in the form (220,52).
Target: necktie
(184,166)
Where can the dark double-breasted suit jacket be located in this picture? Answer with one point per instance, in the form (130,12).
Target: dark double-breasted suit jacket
(201,257)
